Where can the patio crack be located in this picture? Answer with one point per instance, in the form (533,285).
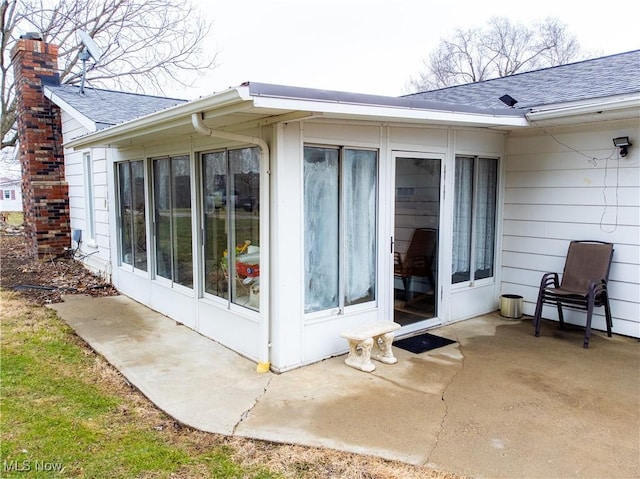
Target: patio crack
(247,412)
(446,406)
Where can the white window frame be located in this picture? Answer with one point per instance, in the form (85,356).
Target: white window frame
(472,282)
(341,308)
(228,301)
(152,262)
(89,195)
(119,218)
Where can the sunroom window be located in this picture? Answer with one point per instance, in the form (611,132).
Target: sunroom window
(340,217)
(172,204)
(231,191)
(132,224)
(474,221)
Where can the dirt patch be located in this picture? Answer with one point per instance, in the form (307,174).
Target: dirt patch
(44,281)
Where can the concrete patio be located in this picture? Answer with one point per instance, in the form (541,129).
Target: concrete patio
(497,403)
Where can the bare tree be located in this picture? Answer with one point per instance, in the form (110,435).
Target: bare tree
(497,50)
(148,45)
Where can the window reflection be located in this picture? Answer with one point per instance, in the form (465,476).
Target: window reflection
(172,201)
(231,190)
(133,228)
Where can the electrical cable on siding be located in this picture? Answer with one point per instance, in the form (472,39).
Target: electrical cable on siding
(604,196)
(593,161)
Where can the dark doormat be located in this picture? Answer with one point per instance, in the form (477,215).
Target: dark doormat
(422,342)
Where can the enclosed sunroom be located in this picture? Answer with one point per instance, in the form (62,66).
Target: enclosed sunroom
(271,218)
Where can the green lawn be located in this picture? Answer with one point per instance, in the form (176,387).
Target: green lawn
(66,413)
(15,218)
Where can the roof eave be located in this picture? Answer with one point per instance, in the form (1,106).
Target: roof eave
(330,104)
(140,126)
(340,102)
(391,113)
(85,121)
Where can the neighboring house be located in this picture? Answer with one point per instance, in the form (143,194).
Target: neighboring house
(10,195)
(271,218)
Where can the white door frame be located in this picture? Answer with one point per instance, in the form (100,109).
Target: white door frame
(391,195)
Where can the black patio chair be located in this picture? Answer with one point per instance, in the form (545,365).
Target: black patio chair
(583,287)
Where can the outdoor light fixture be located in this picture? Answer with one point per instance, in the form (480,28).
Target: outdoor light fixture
(622,142)
(508,100)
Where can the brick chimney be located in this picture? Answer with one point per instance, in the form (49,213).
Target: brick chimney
(45,192)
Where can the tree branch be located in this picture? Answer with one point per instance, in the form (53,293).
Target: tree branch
(147,44)
(500,49)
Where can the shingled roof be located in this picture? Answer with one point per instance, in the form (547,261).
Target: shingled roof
(107,107)
(603,77)
(589,79)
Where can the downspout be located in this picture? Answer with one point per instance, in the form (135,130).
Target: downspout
(265,321)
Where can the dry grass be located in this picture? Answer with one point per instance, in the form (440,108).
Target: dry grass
(300,461)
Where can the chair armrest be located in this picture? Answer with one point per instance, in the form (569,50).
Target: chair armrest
(597,287)
(549,280)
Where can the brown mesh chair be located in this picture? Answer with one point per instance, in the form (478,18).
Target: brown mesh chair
(583,287)
(418,260)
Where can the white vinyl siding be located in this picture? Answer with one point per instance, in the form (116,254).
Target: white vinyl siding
(89,220)
(99,259)
(554,195)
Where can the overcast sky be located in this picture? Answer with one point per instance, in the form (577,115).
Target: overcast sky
(375,46)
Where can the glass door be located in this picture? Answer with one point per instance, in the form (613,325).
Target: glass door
(415,240)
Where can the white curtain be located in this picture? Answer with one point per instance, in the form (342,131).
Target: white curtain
(360,180)
(474,221)
(321,189)
(340,224)
(462,215)
(485,217)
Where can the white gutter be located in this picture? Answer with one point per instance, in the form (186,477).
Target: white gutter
(265,318)
(386,113)
(585,108)
(241,98)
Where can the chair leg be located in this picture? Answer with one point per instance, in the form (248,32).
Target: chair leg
(537,317)
(607,312)
(547,280)
(560,314)
(587,332)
